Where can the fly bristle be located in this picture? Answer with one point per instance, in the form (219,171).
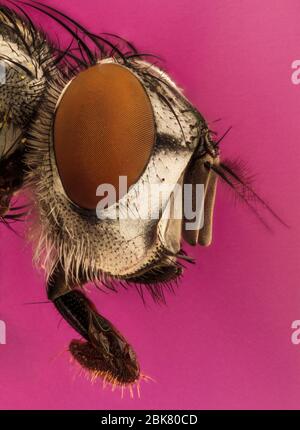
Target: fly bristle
(108,381)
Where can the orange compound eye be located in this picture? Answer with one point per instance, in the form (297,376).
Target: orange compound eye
(103,129)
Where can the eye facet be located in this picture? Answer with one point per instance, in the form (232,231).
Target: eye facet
(104,128)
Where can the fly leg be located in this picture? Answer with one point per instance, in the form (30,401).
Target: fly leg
(103,351)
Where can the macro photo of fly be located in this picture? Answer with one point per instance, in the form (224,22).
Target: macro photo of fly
(73,119)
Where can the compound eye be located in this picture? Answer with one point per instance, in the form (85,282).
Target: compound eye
(104,128)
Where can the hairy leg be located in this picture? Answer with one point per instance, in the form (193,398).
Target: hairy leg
(104,352)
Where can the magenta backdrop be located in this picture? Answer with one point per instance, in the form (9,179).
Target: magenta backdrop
(223,341)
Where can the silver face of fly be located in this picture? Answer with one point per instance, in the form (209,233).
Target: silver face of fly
(106,245)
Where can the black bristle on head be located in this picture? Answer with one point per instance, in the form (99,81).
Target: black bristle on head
(85,48)
(240,183)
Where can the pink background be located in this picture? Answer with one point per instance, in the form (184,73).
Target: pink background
(223,341)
